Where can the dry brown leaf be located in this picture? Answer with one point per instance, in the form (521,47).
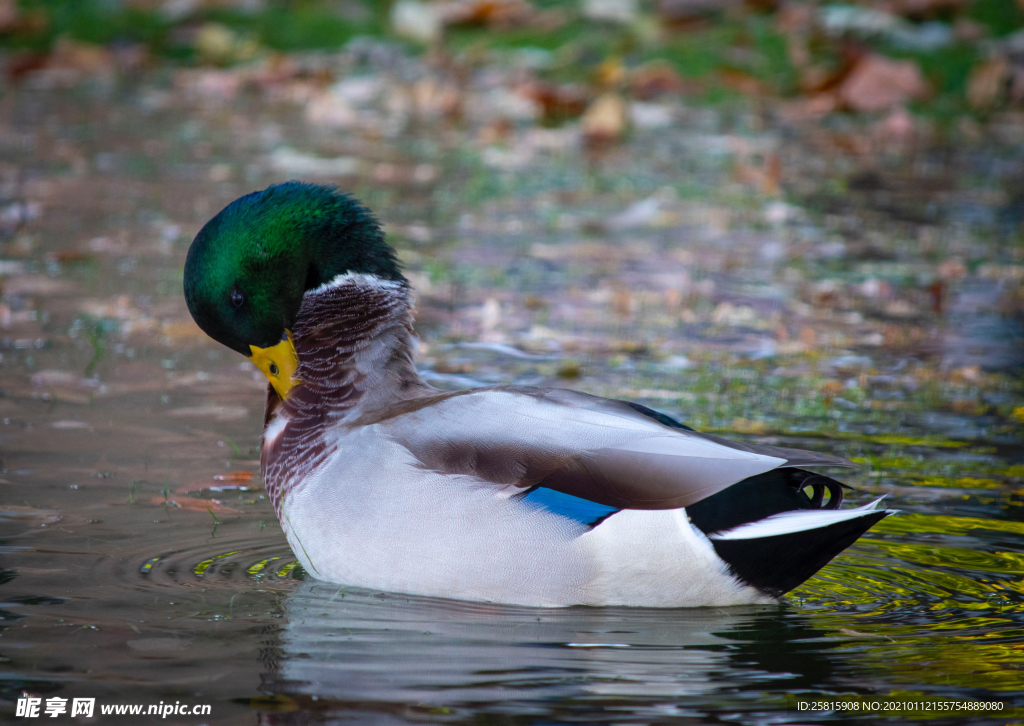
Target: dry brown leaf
(812,108)
(488,13)
(877,83)
(75,55)
(557,103)
(743,82)
(897,128)
(952,269)
(989,83)
(655,79)
(610,73)
(765,178)
(235,476)
(605,121)
(496,131)
(23,64)
(68,256)
(8,14)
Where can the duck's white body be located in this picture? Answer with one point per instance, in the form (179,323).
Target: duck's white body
(371,515)
(383,482)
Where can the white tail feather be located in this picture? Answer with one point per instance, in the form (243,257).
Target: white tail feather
(799,520)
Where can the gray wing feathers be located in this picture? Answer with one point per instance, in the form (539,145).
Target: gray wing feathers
(577,444)
(793,457)
(637,480)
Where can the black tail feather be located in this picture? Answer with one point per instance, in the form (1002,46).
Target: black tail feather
(777,564)
(761,496)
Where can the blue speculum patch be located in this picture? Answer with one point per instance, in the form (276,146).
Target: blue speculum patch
(582,510)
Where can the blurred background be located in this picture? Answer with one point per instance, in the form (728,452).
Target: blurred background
(799,223)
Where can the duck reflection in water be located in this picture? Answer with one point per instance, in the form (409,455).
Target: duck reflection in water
(364,656)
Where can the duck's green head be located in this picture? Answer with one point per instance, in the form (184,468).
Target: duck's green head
(249,267)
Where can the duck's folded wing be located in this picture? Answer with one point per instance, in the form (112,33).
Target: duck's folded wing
(600,450)
(656,472)
(793,457)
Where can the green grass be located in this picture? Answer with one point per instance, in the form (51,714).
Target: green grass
(88,21)
(464,38)
(1001,16)
(284,25)
(298,25)
(698,54)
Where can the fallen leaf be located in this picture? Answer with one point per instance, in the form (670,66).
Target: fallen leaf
(877,83)
(612,11)
(501,14)
(8,14)
(416,20)
(497,131)
(989,83)
(819,78)
(952,269)
(605,121)
(610,73)
(937,292)
(235,476)
(75,55)
(655,79)
(68,256)
(557,103)
(896,129)
(741,81)
(220,45)
(766,178)
(832,388)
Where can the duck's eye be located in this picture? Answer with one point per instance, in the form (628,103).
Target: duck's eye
(237,298)
(273,369)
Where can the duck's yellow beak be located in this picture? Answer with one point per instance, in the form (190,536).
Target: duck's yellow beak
(278,363)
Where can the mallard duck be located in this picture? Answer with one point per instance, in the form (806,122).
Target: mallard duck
(507,494)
